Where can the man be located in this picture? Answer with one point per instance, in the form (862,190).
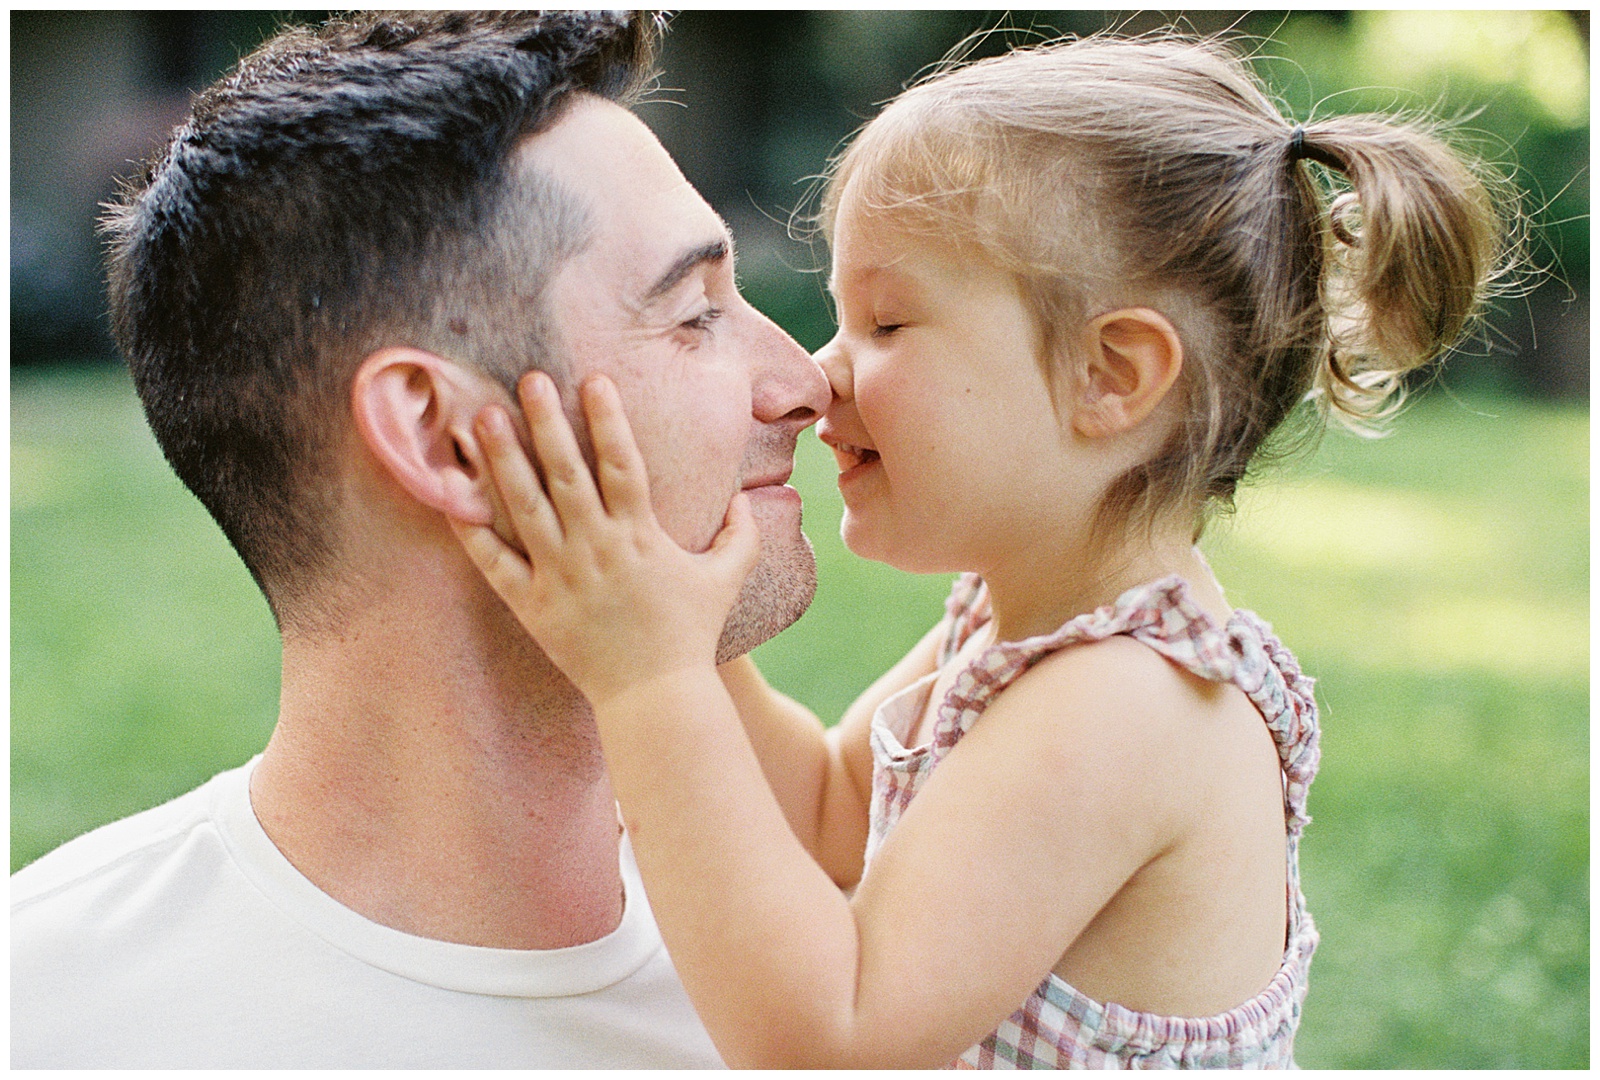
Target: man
(360,238)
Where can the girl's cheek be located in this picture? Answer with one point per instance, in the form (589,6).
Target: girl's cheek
(881,399)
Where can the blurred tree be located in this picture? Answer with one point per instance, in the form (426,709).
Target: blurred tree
(93,95)
(753,103)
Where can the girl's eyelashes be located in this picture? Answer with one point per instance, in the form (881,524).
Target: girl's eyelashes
(882,330)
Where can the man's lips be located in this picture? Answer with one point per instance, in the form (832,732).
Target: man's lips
(774,479)
(771,489)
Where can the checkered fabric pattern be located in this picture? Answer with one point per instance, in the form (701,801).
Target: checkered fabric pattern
(1058,1027)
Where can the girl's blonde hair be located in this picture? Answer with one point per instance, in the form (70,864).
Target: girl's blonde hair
(1156,170)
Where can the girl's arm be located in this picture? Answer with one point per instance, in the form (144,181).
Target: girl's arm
(822,778)
(1002,860)
(802,763)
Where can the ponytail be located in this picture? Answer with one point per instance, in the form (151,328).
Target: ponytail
(1415,245)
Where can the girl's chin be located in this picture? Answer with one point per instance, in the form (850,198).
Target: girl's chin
(862,539)
(870,541)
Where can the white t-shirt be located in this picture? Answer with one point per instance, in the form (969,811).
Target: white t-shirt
(181,937)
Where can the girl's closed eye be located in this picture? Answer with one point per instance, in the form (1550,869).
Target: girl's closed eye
(883,330)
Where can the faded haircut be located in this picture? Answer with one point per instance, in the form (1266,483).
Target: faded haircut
(346,187)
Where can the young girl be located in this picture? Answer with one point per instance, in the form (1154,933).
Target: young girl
(1077,286)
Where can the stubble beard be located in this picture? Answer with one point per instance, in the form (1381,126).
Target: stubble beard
(773,597)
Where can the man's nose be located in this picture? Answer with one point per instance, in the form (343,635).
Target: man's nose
(788,386)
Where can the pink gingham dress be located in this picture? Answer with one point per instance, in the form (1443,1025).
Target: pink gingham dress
(1058,1027)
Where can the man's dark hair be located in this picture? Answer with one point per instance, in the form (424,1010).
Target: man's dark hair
(346,187)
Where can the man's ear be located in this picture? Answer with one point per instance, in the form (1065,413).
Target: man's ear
(414,410)
(1133,356)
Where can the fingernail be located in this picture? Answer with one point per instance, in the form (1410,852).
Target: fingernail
(537,384)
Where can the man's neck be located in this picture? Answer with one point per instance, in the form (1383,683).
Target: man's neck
(437,776)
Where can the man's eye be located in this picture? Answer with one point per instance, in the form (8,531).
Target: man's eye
(703,320)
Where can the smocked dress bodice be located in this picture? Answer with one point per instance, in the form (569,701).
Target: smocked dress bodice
(1057,1026)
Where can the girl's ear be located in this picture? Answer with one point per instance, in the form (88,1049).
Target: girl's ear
(414,411)
(1133,358)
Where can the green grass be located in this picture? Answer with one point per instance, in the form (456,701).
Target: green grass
(143,660)
(1435,582)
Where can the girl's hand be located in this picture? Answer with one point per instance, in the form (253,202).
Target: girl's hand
(607,594)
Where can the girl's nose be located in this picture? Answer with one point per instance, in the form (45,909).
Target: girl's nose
(831,358)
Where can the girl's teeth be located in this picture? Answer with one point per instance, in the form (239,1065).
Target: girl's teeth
(850,456)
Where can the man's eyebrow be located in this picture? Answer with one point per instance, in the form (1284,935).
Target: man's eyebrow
(686,264)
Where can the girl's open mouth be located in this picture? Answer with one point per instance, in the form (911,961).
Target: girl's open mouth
(852,460)
(849,457)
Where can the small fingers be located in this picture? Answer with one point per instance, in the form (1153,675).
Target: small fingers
(499,562)
(567,479)
(624,483)
(738,545)
(532,516)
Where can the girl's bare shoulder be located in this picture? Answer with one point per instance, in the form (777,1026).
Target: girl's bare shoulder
(1119,707)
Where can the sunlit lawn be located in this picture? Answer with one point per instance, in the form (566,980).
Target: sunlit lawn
(1435,582)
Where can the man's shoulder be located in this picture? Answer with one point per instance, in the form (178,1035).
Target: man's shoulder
(116,851)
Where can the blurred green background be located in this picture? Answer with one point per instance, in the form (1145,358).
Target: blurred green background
(1435,582)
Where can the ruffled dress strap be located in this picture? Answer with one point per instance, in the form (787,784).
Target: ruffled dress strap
(968,609)
(1160,614)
